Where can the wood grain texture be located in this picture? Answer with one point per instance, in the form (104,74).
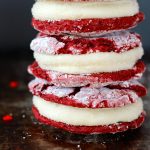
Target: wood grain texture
(24,133)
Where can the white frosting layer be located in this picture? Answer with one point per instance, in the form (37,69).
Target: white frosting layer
(90,63)
(85,116)
(56,10)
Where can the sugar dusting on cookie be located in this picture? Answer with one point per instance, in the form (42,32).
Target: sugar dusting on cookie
(89,97)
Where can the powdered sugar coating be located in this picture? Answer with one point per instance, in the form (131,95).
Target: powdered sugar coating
(33,84)
(47,44)
(117,42)
(88,95)
(103,97)
(124,40)
(58,91)
(127,84)
(132,85)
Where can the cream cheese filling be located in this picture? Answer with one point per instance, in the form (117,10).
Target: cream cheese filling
(90,63)
(86,116)
(57,10)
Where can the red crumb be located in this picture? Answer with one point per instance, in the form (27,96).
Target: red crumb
(13,84)
(7,118)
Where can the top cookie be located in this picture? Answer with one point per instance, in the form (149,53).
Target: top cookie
(85,18)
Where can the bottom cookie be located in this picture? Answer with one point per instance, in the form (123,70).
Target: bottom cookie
(98,129)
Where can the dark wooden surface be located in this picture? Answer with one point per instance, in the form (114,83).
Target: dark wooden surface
(24,133)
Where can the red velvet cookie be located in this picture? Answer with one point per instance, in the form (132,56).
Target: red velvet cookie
(113,128)
(131,85)
(92,80)
(87,27)
(85,97)
(117,42)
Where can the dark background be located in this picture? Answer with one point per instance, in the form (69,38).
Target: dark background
(16,31)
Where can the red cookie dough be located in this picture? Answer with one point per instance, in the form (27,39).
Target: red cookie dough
(117,42)
(85,97)
(87,27)
(113,128)
(92,80)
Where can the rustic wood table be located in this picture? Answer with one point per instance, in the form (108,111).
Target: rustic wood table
(19,130)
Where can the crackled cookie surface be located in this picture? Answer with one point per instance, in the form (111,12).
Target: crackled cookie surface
(115,95)
(117,42)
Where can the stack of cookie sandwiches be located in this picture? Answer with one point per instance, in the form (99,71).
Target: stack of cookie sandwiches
(87,65)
